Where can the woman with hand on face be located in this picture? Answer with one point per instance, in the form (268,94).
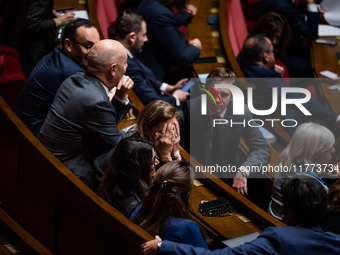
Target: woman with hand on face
(158,123)
(165,210)
(129,174)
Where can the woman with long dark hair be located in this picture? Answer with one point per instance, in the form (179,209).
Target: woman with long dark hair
(129,174)
(165,210)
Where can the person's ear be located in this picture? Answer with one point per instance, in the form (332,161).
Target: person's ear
(132,37)
(266,57)
(67,45)
(113,69)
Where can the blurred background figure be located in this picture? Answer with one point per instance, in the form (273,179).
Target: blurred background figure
(167,53)
(29,27)
(303,20)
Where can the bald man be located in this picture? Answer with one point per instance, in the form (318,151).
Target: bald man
(82,122)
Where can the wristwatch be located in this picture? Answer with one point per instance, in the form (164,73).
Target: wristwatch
(244,174)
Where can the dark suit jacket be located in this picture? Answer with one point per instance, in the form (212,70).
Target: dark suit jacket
(272,79)
(273,240)
(38,33)
(142,85)
(200,136)
(167,44)
(36,98)
(82,123)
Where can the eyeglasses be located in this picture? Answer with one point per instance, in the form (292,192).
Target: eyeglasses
(87,45)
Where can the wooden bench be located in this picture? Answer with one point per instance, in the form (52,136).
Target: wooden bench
(16,240)
(52,204)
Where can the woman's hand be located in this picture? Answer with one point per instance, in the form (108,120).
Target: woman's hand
(151,247)
(176,140)
(164,142)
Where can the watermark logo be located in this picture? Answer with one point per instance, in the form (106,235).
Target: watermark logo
(208,92)
(238,100)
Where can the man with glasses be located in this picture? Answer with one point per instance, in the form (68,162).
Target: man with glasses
(82,121)
(37,96)
(258,52)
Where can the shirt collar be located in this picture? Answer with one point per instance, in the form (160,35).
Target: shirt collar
(221,114)
(129,54)
(106,89)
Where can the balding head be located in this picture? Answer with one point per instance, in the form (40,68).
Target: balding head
(107,62)
(254,47)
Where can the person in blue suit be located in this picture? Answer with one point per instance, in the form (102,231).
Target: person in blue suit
(304,24)
(130,30)
(259,54)
(305,203)
(167,47)
(36,98)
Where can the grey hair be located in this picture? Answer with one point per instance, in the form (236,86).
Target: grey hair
(308,139)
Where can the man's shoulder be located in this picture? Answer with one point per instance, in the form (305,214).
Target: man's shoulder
(153,6)
(131,65)
(255,71)
(56,65)
(80,81)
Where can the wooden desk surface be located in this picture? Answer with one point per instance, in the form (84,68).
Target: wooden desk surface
(324,57)
(208,34)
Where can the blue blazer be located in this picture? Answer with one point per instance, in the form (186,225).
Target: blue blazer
(82,123)
(143,88)
(36,98)
(179,230)
(167,45)
(273,240)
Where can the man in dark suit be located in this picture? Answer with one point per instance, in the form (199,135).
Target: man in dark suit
(167,47)
(304,23)
(36,98)
(259,54)
(130,30)
(223,150)
(305,203)
(82,122)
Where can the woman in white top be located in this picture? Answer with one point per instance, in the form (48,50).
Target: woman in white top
(308,154)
